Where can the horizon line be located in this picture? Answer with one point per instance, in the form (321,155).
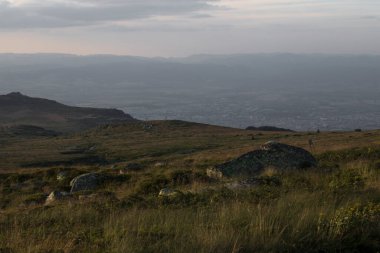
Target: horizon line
(190,55)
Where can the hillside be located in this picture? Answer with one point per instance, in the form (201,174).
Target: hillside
(173,142)
(18,109)
(152,192)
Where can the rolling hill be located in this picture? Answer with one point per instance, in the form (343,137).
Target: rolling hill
(18,109)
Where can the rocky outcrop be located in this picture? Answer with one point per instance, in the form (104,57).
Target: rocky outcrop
(86,182)
(271,154)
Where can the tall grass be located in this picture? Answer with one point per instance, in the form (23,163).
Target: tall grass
(294,223)
(309,211)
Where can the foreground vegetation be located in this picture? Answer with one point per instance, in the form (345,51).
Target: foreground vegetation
(332,208)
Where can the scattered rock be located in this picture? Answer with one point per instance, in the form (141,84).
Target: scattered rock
(271,154)
(166,192)
(123,171)
(61,176)
(55,196)
(214,173)
(160,164)
(86,182)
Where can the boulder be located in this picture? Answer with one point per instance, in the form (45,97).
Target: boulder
(86,182)
(271,154)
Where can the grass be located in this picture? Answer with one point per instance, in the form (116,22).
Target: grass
(332,208)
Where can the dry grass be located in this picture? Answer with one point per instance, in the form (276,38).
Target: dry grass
(306,212)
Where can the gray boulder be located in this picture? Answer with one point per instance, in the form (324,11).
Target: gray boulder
(86,182)
(271,154)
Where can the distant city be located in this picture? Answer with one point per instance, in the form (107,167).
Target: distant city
(299,92)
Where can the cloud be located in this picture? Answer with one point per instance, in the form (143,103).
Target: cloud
(182,27)
(66,13)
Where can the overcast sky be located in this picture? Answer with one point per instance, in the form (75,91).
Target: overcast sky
(186,27)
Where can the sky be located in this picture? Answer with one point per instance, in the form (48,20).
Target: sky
(171,28)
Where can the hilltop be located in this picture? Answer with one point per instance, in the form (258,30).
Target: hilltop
(19,109)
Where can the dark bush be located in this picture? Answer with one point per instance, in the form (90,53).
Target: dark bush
(268,180)
(152,185)
(181,177)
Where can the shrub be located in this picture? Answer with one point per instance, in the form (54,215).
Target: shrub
(269,180)
(152,185)
(264,193)
(347,180)
(367,153)
(18,178)
(181,177)
(179,200)
(185,177)
(118,179)
(356,219)
(37,198)
(131,201)
(296,182)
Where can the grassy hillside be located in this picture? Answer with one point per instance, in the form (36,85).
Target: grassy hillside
(332,208)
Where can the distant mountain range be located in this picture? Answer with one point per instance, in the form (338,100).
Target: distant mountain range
(17,109)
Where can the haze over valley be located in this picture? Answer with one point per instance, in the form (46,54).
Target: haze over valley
(300,92)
